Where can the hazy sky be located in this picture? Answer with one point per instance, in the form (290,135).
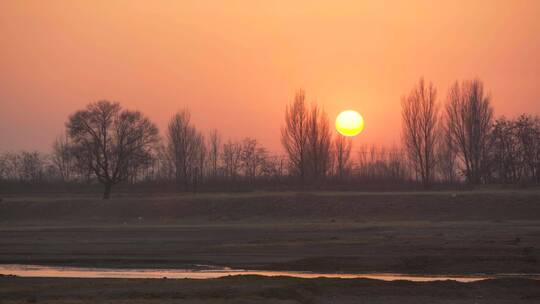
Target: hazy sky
(235,64)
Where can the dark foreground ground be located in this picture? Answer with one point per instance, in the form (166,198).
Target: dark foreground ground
(430,232)
(250,289)
(436,233)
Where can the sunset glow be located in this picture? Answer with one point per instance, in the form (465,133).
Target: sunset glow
(245,59)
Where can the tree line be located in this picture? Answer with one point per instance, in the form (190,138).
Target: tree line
(455,142)
(461,140)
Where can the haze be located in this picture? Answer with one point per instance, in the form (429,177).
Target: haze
(235,64)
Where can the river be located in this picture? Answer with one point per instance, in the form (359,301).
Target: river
(217,272)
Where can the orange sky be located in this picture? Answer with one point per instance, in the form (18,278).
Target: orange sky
(235,64)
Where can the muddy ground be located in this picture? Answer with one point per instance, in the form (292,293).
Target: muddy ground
(253,289)
(428,232)
(438,233)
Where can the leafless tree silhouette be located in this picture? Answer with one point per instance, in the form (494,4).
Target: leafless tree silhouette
(420,115)
(342,148)
(109,145)
(505,157)
(32,166)
(111,141)
(253,158)
(10,166)
(231,157)
(294,135)
(528,134)
(514,149)
(214,149)
(63,158)
(446,157)
(186,149)
(25,166)
(469,117)
(378,164)
(307,139)
(319,143)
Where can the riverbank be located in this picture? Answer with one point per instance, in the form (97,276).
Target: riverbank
(250,289)
(414,233)
(423,233)
(270,207)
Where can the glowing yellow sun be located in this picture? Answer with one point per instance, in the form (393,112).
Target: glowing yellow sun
(349,123)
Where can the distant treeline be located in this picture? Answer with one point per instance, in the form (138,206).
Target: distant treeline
(458,143)
(462,141)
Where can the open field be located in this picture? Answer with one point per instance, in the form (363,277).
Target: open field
(272,206)
(440,232)
(423,233)
(411,247)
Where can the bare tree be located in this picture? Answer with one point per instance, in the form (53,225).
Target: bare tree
(186,148)
(381,164)
(342,146)
(319,142)
(111,140)
(164,163)
(231,156)
(10,166)
(420,115)
(446,157)
(62,157)
(26,167)
(253,158)
(506,159)
(32,166)
(273,167)
(294,134)
(3,167)
(515,149)
(527,132)
(396,168)
(214,147)
(469,116)
(198,165)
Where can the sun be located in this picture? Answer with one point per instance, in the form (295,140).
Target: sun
(349,123)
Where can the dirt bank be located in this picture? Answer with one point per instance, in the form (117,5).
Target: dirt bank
(276,206)
(426,233)
(250,289)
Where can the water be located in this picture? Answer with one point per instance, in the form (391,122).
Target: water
(210,273)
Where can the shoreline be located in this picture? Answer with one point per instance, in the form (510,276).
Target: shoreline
(213,271)
(249,289)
